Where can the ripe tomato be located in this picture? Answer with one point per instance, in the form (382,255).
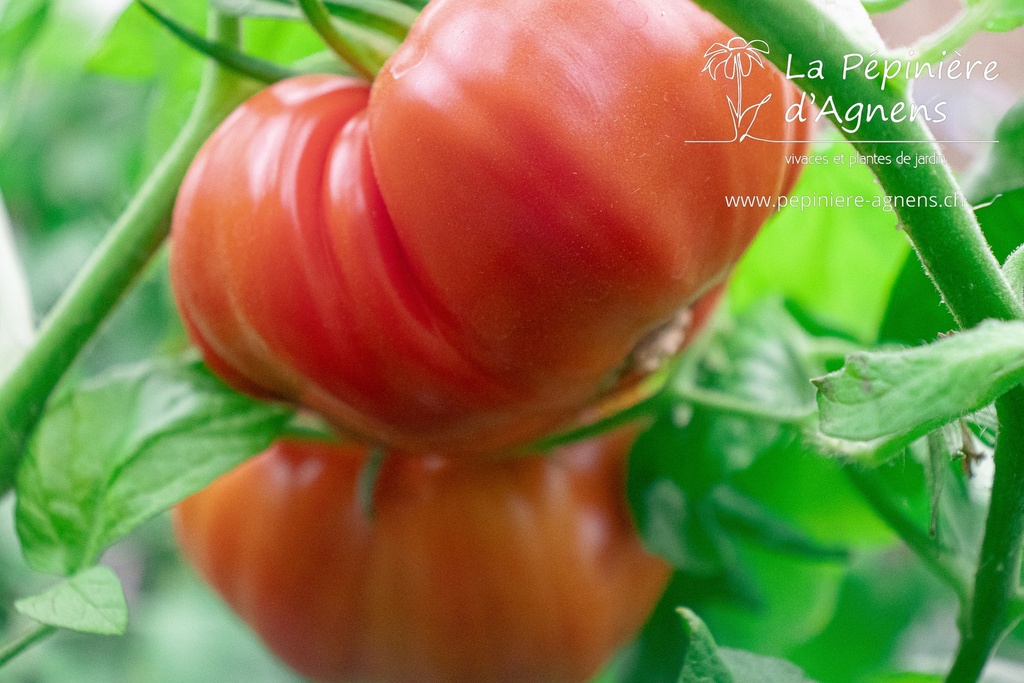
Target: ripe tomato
(524,570)
(467,252)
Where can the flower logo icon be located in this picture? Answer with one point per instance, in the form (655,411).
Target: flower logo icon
(735,60)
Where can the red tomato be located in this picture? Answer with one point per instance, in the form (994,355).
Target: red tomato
(526,570)
(464,254)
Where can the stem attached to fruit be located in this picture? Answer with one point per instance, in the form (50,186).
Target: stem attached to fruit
(320,19)
(117,261)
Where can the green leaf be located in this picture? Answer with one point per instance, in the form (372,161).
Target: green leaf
(16,327)
(91,601)
(21,23)
(665,494)
(748,667)
(758,359)
(112,453)
(1013,269)
(828,509)
(839,264)
(752,519)
(882,597)
(701,663)
(1002,171)
(751,382)
(705,662)
(867,451)
(916,390)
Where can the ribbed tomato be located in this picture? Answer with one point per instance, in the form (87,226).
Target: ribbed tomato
(467,252)
(524,570)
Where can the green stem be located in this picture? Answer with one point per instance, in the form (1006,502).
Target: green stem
(996,607)
(369,475)
(257,69)
(115,264)
(923,545)
(939,45)
(879,6)
(645,408)
(24,641)
(320,19)
(717,400)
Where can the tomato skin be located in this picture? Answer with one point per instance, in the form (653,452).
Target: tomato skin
(462,257)
(527,570)
(574,187)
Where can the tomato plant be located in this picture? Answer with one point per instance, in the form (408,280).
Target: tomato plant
(489,228)
(466,253)
(522,571)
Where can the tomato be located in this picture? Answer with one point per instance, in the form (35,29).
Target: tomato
(523,570)
(463,255)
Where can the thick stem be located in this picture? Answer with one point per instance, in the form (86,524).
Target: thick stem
(113,267)
(995,609)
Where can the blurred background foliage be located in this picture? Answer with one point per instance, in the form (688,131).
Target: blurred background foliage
(87,104)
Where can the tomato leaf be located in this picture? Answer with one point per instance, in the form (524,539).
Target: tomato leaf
(753,376)
(20,25)
(91,601)
(752,519)
(702,662)
(914,391)
(16,330)
(117,450)
(1013,269)
(748,667)
(666,495)
(706,662)
(1002,170)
